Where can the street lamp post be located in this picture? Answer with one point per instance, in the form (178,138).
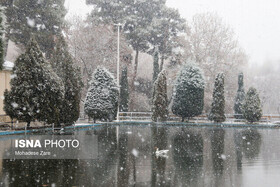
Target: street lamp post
(118,63)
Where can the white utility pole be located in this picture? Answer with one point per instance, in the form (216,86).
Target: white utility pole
(118,64)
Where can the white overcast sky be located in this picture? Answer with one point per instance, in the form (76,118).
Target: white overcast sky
(255,22)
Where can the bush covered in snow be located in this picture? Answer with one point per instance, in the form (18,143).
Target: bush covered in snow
(102,96)
(189,92)
(252,110)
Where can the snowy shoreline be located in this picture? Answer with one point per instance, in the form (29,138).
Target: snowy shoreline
(185,124)
(201,124)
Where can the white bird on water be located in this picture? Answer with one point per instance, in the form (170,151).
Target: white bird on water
(161,153)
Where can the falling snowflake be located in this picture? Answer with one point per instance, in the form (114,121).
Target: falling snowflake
(135,152)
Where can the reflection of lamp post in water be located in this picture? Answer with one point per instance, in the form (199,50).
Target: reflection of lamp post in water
(118,64)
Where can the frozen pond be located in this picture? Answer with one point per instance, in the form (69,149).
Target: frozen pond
(125,156)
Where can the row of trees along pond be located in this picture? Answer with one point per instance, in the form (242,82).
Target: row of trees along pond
(188,97)
(147,25)
(50,92)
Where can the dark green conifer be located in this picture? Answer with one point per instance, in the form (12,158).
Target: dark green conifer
(217,113)
(2,34)
(189,92)
(36,90)
(63,65)
(252,110)
(155,65)
(102,96)
(8,105)
(239,99)
(160,101)
(124,92)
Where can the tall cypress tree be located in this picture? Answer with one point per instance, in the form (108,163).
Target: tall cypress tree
(217,113)
(43,19)
(239,99)
(124,92)
(189,92)
(160,102)
(252,110)
(102,96)
(155,65)
(63,65)
(36,90)
(2,34)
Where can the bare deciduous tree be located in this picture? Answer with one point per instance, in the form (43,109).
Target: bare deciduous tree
(214,46)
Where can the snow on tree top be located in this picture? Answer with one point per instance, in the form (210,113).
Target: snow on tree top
(190,76)
(101,75)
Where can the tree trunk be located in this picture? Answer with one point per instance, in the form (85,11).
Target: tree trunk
(28,124)
(12,123)
(57,120)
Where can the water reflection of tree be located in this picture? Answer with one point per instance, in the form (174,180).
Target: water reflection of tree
(247,143)
(159,140)
(101,169)
(217,145)
(123,169)
(238,149)
(39,172)
(188,157)
(251,143)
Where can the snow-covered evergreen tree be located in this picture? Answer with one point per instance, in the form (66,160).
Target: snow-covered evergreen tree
(217,113)
(239,99)
(124,92)
(155,65)
(252,110)
(70,75)
(2,34)
(102,96)
(36,90)
(160,101)
(189,92)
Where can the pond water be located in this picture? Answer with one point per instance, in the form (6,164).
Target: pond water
(125,156)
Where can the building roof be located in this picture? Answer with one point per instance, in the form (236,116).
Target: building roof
(8,65)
